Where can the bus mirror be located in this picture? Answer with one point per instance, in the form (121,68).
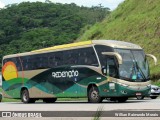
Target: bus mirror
(153,57)
(117,55)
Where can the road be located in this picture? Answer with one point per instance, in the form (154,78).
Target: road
(131,105)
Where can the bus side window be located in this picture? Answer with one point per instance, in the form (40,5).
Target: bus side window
(86,56)
(59,58)
(51,61)
(99,50)
(93,58)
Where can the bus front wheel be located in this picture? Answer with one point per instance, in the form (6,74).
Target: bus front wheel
(93,95)
(25,97)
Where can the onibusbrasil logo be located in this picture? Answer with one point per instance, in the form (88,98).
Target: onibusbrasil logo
(69,74)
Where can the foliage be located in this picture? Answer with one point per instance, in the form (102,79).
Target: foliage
(156,83)
(135,21)
(99,113)
(29,26)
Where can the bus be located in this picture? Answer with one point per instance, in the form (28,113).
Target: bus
(96,69)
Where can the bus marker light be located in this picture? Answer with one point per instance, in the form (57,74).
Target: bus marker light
(98,78)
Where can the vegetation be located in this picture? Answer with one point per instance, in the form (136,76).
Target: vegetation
(135,21)
(157,82)
(29,26)
(99,113)
(59,99)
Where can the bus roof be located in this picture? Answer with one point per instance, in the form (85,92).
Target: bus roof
(111,43)
(117,44)
(64,46)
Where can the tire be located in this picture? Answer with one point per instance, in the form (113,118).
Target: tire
(153,97)
(122,99)
(49,100)
(25,97)
(93,95)
(140,97)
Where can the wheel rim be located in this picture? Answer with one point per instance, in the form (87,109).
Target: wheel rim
(25,97)
(94,95)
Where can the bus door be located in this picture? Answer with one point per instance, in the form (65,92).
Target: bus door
(111,67)
(112,72)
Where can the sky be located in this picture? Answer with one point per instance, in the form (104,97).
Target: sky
(112,4)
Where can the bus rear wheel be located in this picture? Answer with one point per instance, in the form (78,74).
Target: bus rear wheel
(49,100)
(93,95)
(25,97)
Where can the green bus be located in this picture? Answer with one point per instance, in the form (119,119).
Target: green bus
(97,69)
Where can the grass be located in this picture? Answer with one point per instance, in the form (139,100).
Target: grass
(59,99)
(98,114)
(133,21)
(156,83)
(10,100)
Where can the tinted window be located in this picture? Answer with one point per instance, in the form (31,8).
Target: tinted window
(100,49)
(15,60)
(82,56)
(87,57)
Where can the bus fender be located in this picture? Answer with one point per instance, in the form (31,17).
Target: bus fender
(23,88)
(92,84)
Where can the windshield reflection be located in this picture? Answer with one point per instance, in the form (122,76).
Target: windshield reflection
(134,66)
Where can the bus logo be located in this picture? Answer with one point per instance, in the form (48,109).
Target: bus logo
(65,74)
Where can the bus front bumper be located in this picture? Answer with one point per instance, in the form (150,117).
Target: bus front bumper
(125,91)
(133,91)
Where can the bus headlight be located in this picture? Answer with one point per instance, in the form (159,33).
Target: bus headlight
(149,92)
(148,86)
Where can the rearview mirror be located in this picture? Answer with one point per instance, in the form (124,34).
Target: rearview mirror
(117,55)
(153,57)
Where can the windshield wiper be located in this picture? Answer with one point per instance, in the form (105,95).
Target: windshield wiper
(139,69)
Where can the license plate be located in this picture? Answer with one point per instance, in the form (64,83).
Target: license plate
(138,94)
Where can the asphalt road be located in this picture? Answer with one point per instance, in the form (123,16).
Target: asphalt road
(131,105)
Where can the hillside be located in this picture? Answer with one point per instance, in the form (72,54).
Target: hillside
(136,21)
(29,26)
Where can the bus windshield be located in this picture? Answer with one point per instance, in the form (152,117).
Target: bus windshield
(134,66)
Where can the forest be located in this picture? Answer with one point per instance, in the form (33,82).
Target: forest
(29,26)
